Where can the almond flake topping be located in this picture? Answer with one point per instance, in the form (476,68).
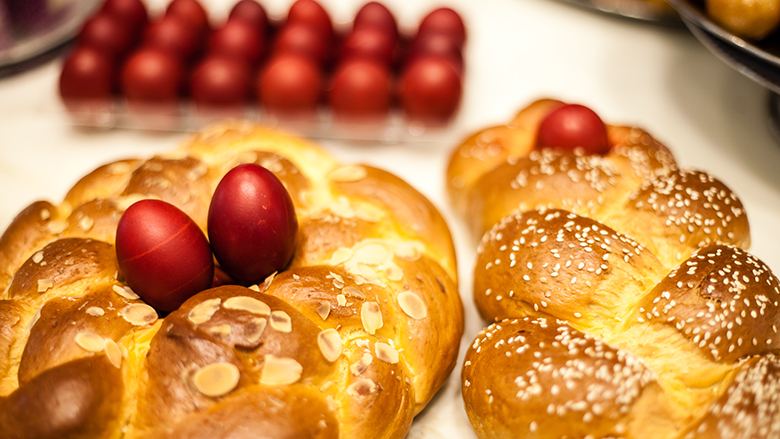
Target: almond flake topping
(203,311)
(323,310)
(139,314)
(394,272)
(95,311)
(330,344)
(412,305)
(255,329)
(86,223)
(361,365)
(57,226)
(279,371)
(386,353)
(113,353)
(281,321)
(361,387)
(371,316)
(216,379)
(125,292)
(407,251)
(119,168)
(37,257)
(341,256)
(250,304)
(44,285)
(348,173)
(89,341)
(373,253)
(220,331)
(341,299)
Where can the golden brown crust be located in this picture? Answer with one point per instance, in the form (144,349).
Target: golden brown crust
(634,251)
(341,345)
(555,382)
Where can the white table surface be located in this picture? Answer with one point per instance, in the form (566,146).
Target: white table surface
(656,77)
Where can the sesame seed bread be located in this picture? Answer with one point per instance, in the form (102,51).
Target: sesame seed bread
(350,341)
(625,305)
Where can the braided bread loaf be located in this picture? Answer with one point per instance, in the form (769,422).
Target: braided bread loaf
(345,343)
(623,301)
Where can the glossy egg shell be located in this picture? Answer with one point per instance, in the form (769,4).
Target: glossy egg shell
(162,254)
(252,224)
(573,126)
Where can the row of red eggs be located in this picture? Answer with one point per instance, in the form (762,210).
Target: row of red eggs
(289,69)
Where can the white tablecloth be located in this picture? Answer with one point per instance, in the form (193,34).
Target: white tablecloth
(656,77)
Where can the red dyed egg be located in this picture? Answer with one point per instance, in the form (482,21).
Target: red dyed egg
(220,81)
(106,33)
(152,76)
(290,84)
(192,11)
(573,126)
(369,43)
(444,20)
(375,15)
(303,40)
(87,75)
(252,224)
(172,34)
(238,39)
(162,254)
(430,89)
(133,12)
(251,12)
(361,89)
(311,13)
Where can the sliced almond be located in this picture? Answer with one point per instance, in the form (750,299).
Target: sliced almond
(86,223)
(371,316)
(323,310)
(220,330)
(255,329)
(89,341)
(341,299)
(203,311)
(139,314)
(407,251)
(330,344)
(361,365)
(33,320)
(281,321)
(119,168)
(113,353)
(394,272)
(95,311)
(279,371)
(57,226)
(361,387)
(44,285)
(37,257)
(386,353)
(216,379)
(249,304)
(412,305)
(125,292)
(340,256)
(354,293)
(348,173)
(373,253)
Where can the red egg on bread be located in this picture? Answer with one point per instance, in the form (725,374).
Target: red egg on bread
(162,254)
